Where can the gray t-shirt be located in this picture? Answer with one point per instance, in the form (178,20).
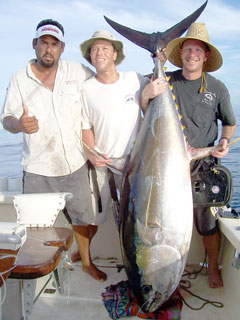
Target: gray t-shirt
(201,111)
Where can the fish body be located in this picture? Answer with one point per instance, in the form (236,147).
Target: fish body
(156,204)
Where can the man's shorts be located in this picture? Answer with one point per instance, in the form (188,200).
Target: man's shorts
(80,208)
(99,184)
(205,220)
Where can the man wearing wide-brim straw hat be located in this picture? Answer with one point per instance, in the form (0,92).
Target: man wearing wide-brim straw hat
(111,116)
(199,32)
(202,101)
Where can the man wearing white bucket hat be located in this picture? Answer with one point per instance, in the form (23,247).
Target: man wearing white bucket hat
(202,101)
(111,106)
(43,101)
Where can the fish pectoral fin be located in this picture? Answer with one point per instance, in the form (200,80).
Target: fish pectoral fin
(149,235)
(199,153)
(116,163)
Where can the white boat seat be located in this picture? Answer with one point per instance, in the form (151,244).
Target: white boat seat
(38,212)
(39,209)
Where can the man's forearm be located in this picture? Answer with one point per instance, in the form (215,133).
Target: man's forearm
(228,132)
(144,103)
(89,139)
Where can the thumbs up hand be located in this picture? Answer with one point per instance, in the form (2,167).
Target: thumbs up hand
(27,123)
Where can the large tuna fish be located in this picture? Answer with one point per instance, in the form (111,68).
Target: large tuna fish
(156,203)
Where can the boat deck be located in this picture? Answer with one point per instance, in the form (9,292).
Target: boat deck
(83,300)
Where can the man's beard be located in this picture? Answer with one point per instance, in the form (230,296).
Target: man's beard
(49,64)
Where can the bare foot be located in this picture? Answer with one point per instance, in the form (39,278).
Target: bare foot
(215,279)
(94,272)
(75,256)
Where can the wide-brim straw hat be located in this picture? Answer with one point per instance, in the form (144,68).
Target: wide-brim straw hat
(196,31)
(85,46)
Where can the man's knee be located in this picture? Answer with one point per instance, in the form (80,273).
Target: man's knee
(205,221)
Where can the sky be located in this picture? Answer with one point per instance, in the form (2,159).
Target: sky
(80,19)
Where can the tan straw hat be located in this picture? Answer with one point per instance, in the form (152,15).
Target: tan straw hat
(85,46)
(196,31)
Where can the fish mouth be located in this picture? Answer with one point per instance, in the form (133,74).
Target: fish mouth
(154,301)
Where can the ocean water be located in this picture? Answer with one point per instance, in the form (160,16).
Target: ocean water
(11,147)
(10,154)
(232,162)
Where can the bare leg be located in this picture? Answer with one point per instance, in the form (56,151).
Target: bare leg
(212,245)
(75,256)
(84,235)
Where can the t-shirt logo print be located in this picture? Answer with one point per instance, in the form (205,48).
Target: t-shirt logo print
(129,98)
(209,98)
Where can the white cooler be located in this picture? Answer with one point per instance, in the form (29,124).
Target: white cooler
(12,235)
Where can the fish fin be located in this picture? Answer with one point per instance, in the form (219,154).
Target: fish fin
(199,153)
(156,40)
(119,164)
(116,163)
(141,39)
(178,29)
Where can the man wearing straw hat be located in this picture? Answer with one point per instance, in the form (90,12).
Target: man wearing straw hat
(202,101)
(111,112)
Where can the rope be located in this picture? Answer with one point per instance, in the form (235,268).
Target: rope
(215,304)
(186,284)
(203,83)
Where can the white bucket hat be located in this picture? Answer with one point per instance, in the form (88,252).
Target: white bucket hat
(196,31)
(85,46)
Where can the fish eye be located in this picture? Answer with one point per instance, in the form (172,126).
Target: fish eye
(146,288)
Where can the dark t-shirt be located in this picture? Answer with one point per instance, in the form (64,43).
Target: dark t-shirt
(201,111)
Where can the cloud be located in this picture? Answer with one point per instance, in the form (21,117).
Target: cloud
(81,18)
